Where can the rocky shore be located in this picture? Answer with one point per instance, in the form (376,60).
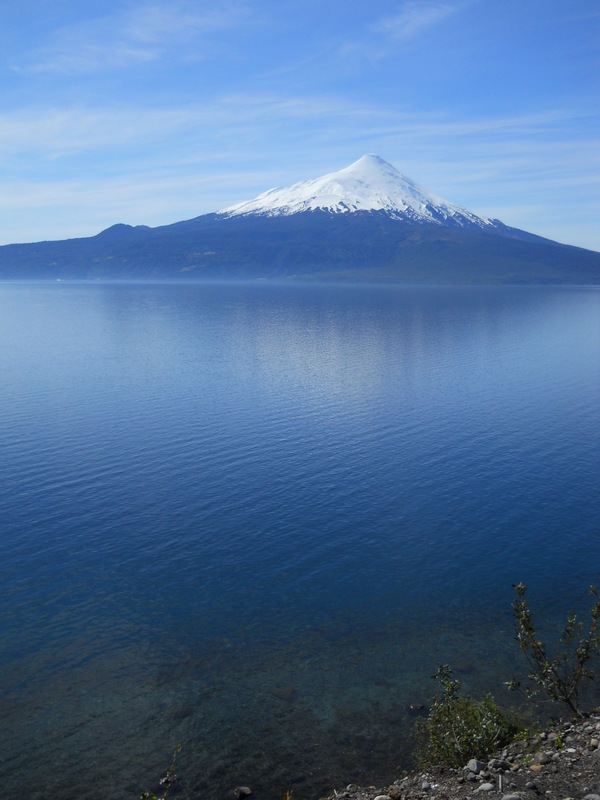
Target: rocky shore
(561,763)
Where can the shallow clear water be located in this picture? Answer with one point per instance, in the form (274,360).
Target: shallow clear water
(253,520)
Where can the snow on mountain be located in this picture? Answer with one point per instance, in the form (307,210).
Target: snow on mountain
(369,184)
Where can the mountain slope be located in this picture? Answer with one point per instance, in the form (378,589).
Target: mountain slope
(366,222)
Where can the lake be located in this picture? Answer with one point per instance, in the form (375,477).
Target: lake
(253,519)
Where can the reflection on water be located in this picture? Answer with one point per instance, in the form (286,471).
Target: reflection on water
(253,519)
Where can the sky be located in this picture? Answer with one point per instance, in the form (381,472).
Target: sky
(153,112)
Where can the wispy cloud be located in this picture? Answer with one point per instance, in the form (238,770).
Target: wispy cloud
(387,35)
(262,119)
(140,34)
(55,133)
(414,18)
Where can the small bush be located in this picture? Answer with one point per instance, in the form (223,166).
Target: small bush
(459,727)
(559,676)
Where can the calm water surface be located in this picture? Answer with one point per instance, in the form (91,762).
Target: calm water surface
(253,520)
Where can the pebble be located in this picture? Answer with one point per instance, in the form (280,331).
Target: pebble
(485,787)
(476,766)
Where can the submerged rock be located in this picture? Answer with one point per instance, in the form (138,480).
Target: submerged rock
(417,709)
(287,693)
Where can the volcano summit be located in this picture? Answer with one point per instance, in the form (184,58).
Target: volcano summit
(369,184)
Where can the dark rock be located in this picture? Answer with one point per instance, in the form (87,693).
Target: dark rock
(464,667)
(297,779)
(287,693)
(417,709)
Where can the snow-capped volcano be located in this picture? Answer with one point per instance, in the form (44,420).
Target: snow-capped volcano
(369,184)
(367,222)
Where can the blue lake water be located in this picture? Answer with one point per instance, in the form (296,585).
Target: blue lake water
(253,519)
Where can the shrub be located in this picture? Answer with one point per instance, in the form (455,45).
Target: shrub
(559,677)
(459,727)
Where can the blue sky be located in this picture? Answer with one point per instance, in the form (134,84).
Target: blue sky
(153,112)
